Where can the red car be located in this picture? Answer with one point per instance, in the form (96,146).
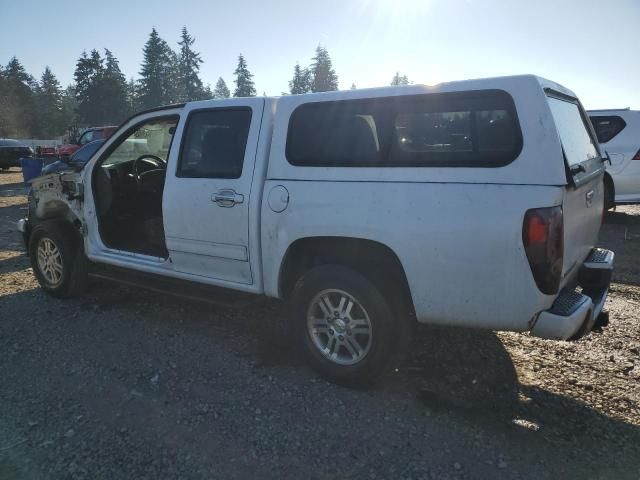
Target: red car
(89,135)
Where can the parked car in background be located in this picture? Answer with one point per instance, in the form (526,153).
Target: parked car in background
(471,204)
(76,162)
(618,132)
(46,152)
(89,135)
(11,151)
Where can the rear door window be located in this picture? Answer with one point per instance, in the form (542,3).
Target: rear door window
(214,143)
(607,127)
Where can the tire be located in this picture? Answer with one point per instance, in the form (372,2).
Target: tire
(58,259)
(609,200)
(332,347)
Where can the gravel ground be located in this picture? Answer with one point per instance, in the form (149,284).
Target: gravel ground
(123,384)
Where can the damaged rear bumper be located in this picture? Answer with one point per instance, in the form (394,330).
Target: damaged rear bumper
(574,313)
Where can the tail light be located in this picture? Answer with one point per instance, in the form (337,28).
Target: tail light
(636,156)
(543,239)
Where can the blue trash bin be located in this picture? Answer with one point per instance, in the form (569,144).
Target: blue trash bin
(31,168)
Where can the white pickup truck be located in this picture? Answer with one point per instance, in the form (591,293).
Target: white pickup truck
(474,204)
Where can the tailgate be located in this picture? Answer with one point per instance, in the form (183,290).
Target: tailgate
(583,201)
(582,214)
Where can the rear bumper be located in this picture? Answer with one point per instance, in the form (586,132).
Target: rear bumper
(573,314)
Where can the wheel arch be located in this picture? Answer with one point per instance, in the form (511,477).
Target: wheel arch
(377,261)
(44,209)
(54,211)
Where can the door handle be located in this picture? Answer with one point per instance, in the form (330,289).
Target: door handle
(589,197)
(227,198)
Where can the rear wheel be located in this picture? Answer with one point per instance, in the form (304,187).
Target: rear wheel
(345,325)
(58,259)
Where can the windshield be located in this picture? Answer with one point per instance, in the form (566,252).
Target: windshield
(577,143)
(152,138)
(84,154)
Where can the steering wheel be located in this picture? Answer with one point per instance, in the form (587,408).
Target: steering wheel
(157,162)
(149,181)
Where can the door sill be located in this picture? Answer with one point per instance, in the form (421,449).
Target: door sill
(173,286)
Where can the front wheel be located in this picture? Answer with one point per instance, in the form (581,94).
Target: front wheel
(609,197)
(345,325)
(58,259)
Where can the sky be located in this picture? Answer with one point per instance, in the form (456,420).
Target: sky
(589,46)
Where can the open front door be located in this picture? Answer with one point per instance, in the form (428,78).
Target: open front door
(207,190)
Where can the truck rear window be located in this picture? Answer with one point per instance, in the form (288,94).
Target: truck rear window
(475,129)
(576,142)
(607,127)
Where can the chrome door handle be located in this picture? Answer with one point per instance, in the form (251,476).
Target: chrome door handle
(227,198)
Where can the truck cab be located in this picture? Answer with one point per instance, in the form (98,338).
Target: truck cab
(470,204)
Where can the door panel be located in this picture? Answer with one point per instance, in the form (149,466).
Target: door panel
(206,197)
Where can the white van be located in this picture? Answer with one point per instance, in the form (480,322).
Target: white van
(618,132)
(470,204)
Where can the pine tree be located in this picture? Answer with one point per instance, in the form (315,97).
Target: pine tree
(49,104)
(113,92)
(399,80)
(9,108)
(207,94)
(189,84)
(14,71)
(88,73)
(84,75)
(132,95)
(69,113)
(221,90)
(301,81)
(244,82)
(19,87)
(157,85)
(353,86)
(323,76)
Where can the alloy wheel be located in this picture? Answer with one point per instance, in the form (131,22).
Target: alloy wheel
(339,327)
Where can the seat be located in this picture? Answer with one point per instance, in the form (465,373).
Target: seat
(222,154)
(104,193)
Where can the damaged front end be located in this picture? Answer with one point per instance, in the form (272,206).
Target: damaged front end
(59,196)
